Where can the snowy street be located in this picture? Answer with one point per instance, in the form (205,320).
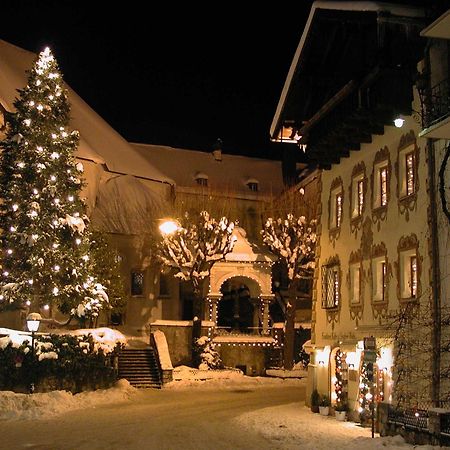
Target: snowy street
(251,414)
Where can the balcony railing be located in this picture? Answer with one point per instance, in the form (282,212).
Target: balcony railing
(437,105)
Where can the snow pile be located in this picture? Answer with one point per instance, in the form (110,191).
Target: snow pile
(294,426)
(163,350)
(281,373)
(188,377)
(38,406)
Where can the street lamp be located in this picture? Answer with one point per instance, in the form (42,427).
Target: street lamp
(168,226)
(33,322)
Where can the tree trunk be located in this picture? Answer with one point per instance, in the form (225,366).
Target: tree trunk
(197,310)
(289,329)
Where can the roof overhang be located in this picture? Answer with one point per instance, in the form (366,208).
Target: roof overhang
(439,29)
(338,61)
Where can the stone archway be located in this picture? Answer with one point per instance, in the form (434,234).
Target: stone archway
(246,262)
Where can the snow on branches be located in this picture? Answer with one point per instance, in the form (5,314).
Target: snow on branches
(293,240)
(193,248)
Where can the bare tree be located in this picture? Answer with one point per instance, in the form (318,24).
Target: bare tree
(293,240)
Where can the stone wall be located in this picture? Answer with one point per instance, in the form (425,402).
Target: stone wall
(251,360)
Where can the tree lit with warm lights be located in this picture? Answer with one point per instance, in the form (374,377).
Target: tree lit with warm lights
(45,239)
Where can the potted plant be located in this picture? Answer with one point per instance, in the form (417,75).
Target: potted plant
(324,405)
(340,411)
(315,400)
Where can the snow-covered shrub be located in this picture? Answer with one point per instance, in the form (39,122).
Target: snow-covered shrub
(71,362)
(208,357)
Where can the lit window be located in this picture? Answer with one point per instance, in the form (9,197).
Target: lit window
(338,210)
(330,286)
(381,185)
(407,172)
(413,276)
(380,279)
(336,201)
(382,179)
(409,274)
(357,196)
(409,169)
(355,283)
(137,283)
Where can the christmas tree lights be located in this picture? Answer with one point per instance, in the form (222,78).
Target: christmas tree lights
(44,250)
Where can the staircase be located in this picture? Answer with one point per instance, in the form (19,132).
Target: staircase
(140,367)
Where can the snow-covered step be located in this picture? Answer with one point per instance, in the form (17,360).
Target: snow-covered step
(139,367)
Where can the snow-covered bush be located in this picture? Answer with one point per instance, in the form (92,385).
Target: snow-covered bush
(71,362)
(208,357)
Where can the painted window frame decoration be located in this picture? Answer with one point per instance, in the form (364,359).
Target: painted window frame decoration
(335,208)
(358,196)
(409,286)
(379,200)
(379,280)
(407,192)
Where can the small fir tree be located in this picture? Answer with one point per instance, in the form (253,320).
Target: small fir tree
(45,240)
(293,240)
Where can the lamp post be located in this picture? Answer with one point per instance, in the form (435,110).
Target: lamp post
(33,322)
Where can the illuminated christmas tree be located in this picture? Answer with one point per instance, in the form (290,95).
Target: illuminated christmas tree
(45,239)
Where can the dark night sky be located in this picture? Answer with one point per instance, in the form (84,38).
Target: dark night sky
(180,76)
(162,73)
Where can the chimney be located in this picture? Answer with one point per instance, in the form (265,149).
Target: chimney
(217,150)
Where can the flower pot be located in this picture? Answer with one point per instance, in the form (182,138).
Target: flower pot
(315,408)
(340,415)
(324,410)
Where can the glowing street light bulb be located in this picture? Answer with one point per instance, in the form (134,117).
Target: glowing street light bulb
(399,121)
(168,227)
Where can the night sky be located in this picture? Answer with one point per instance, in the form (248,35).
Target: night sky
(181,76)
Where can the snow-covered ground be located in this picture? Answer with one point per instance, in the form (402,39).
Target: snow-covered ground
(237,412)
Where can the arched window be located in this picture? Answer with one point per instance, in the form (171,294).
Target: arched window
(201,179)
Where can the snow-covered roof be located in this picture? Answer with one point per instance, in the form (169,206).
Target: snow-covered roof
(361,6)
(246,251)
(99,141)
(231,173)
(126,205)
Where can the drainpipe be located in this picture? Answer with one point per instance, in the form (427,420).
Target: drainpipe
(435,276)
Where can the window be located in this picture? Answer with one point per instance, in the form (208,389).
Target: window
(330,286)
(357,196)
(137,283)
(201,179)
(407,173)
(380,279)
(413,276)
(336,208)
(253,186)
(381,185)
(410,173)
(355,283)
(408,274)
